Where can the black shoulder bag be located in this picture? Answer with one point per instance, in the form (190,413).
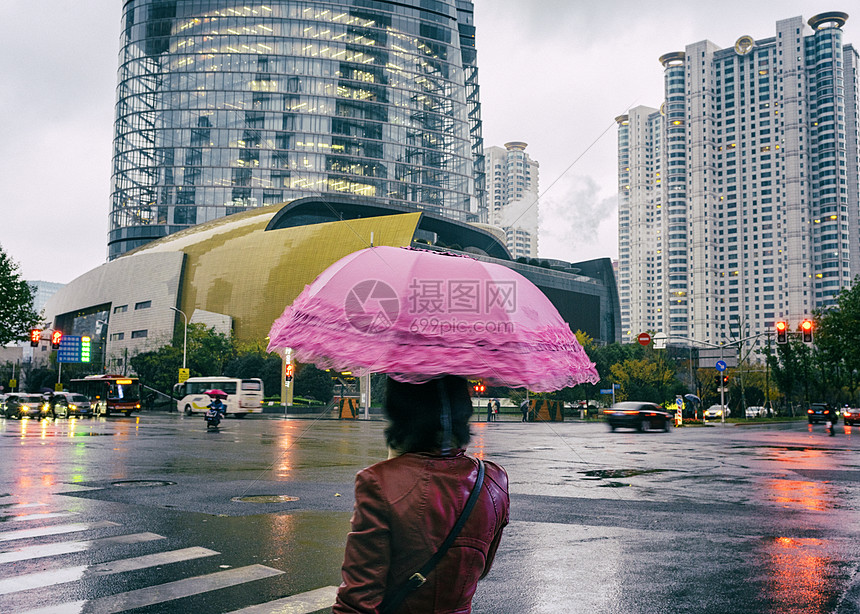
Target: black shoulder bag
(395,598)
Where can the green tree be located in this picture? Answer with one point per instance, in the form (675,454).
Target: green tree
(17,315)
(208,351)
(159,368)
(837,339)
(650,378)
(313,383)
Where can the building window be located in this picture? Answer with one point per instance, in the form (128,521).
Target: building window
(120,309)
(139,334)
(117,336)
(143,305)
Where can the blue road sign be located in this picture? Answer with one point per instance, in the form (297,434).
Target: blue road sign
(74,348)
(606,391)
(721,366)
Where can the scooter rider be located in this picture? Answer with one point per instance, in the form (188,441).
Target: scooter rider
(218,405)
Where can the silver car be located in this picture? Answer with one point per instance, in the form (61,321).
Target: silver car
(716,411)
(756,411)
(67,404)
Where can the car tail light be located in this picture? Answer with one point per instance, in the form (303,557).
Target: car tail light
(808,411)
(826,411)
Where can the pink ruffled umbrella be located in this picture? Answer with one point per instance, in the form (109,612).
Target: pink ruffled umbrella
(417,314)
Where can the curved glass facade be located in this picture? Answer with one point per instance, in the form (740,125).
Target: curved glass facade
(224,106)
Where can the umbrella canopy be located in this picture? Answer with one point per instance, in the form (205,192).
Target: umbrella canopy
(692,398)
(417,314)
(216,393)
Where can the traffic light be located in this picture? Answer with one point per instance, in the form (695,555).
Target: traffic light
(806,328)
(781,332)
(480,388)
(288,372)
(718,380)
(35,337)
(56,337)
(725,381)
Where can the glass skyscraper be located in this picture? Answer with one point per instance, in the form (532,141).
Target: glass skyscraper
(738,198)
(223,106)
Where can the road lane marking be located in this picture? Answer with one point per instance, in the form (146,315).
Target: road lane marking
(52,577)
(55,530)
(303,603)
(37,516)
(162,593)
(37,552)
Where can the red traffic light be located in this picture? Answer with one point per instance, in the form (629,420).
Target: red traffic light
(35,337)
(781,332)
(288,372)
(806,328)
(56,338)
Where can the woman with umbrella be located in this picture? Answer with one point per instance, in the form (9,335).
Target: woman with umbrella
(428,520)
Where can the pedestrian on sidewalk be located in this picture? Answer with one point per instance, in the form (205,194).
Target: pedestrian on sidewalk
(406,507)
(524,408)
(489,411)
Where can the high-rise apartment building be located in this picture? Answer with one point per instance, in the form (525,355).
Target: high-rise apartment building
(222,107)
(512,196)
(738,198)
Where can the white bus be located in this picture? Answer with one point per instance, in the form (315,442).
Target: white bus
(244,396)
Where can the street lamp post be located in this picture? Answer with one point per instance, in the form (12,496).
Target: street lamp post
(185,338)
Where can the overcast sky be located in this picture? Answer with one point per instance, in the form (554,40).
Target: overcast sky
(553,73)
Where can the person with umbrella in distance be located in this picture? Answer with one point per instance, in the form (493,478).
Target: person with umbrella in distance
(428,520)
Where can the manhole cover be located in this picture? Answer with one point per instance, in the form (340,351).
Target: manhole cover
(265,499)
(139,483)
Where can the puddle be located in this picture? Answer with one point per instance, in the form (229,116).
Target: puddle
(142,483)
(613,485)
(264,499)
(618,473)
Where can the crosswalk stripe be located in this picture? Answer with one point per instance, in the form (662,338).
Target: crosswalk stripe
(303,603)
(161,593)
(38,552)
(51,577)
(55,530)
(36,516)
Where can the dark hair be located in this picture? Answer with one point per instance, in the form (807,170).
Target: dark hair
(414,412)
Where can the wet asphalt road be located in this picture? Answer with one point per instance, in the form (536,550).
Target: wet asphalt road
(140,514)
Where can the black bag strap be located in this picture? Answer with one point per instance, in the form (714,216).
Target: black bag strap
(393,601)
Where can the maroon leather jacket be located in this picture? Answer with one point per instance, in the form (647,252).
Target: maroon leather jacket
(404,509)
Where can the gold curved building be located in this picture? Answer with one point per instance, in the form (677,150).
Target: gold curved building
(238,273)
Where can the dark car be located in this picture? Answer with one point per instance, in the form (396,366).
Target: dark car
(851,415)
(822,412)
(639,415)
(23,405)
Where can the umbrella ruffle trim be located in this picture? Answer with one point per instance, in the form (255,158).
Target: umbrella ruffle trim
(318,334)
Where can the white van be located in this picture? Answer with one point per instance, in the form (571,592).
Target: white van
(244,396)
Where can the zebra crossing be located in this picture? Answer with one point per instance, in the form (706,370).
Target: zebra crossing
(17,551)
